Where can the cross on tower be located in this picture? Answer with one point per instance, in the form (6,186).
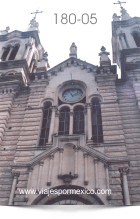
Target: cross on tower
(36,12)
(120,3)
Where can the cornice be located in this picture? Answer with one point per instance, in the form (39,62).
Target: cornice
(21,35)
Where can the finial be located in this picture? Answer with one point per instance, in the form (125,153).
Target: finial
(73,51)
(104,59)
(3,32)
(124,14)
(119,3)
(33,23)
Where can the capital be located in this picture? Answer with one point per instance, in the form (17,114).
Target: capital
(30,169)
(61,150)
(41,163)
(95,160)
(51,156)
(85,155)
(124,170)
(16,174)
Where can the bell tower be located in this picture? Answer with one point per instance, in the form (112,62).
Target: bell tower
(125,38)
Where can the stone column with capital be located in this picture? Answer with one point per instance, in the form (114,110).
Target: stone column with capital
(96,174)
(71,123)
(60,161)
(107,180)
(76,162)
(15,179)
(51,132)
(39,174)
(30,177)
(124,171)
(86,168)
(89,122)
(56,128)
(50,170)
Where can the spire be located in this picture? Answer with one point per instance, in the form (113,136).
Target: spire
(33,23)
(124,14)
(73,51)
(104,59)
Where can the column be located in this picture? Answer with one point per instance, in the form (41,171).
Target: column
(50,170)
(124,171)
(39,174)
(89,124)
(30,177)
(107,181)
(57,114)
(29,45)
(71,123)
(96,174)
(11,199)
(85,161)
(52,124)
(76,162)
(60,161)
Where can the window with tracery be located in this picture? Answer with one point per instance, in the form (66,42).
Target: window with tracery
(64,120)
(78,120)
(97,132)
(47,112)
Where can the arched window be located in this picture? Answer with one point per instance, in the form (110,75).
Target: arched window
(47,112)
(14,52)
(136,36)
(64,121)
(5,53)
(78,123)
(97,132)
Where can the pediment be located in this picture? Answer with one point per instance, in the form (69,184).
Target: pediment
(72,62)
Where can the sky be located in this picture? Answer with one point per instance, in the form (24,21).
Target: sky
(57,38)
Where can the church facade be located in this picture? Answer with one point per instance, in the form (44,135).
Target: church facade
(72,130)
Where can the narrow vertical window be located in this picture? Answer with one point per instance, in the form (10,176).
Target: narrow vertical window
(78,124)
(47,112)
(64,121)
(97,133)
(14,52)
(5,53)
(137,38)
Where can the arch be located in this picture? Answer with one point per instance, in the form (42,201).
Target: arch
(41,104)
(78,104)
(72,199)
(95,95)
(65,105)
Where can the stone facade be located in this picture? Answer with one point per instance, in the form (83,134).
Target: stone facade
(71,160)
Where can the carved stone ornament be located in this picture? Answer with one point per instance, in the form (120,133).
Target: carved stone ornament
(33,23)
(67,178)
